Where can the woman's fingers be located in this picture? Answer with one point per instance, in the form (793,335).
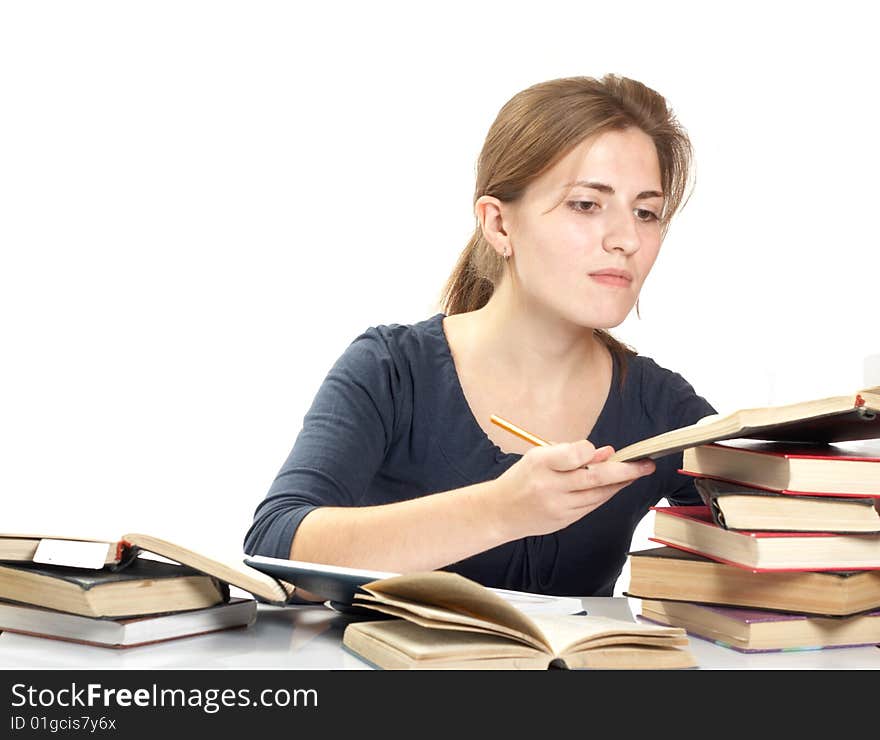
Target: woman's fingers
(591,498)
(569,455)
(583,502)
(572,456)
(602,454)
(602,474)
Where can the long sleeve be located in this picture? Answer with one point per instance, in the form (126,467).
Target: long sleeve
(344,438)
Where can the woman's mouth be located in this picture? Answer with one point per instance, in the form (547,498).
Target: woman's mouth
(613,278)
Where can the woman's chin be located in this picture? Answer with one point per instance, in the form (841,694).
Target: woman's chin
(605,320)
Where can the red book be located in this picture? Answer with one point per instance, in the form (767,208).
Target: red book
(692,528)
(817,469)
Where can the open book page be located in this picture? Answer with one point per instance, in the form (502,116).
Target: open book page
(226,567)
(568,633)
(453,598)
(443,619)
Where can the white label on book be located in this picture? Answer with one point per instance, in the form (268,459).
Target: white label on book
(72,553)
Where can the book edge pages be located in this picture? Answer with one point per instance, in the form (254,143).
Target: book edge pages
(746,634)
(723,584)
(114,633)
(371,643)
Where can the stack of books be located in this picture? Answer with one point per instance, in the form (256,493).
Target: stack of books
(118,594)
(785,552)
(784,555)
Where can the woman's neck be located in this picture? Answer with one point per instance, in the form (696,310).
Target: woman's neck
(533,349)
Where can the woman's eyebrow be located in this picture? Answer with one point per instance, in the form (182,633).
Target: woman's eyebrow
(603,188)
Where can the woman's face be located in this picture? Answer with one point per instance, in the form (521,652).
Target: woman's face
(585,258)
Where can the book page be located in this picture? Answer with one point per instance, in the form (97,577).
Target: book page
(74,553)
(433,618)
(567,633)
(455,597)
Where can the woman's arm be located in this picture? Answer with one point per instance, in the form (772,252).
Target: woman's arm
(420,534)
(546,490)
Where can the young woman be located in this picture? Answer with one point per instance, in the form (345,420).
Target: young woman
(398,466)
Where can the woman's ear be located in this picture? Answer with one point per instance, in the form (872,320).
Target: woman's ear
(493,216)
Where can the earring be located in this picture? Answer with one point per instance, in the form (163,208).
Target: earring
(506,254)
(637,310)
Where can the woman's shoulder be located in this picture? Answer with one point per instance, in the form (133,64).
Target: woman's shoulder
(398,347)
(660,390)
(405,340)
(650,373)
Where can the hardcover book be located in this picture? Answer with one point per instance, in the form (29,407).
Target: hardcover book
(750,631)
(737,506)
(830,470)
(854,416)
(692,528)
(143,587)
(668,573)
(126,632)
(446,621)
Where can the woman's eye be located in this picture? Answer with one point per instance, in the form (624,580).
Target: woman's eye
(589,206)
(646,215)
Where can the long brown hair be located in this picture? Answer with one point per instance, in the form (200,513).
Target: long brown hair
(536,128)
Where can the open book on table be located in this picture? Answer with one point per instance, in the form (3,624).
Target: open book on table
(445,621)
(854,416)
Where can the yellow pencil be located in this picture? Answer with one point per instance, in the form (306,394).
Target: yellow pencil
(521,433)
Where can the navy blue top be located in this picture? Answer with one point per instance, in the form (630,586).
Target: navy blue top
(391,422)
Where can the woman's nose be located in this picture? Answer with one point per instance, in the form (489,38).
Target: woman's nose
(622,233)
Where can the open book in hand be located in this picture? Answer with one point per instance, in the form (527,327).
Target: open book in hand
(446,621)
(854,416)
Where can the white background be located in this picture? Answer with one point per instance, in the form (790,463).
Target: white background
(202,204)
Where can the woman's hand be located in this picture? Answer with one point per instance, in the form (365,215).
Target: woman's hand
(554,486)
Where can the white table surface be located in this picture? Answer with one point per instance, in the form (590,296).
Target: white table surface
(310,637)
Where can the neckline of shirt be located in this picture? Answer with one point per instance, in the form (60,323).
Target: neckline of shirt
(460,418)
